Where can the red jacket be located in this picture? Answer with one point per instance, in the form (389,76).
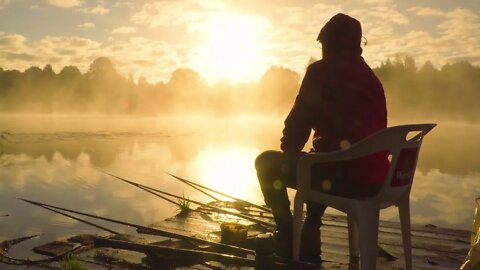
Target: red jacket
(343,102)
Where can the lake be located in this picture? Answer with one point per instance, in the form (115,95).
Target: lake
(59,160)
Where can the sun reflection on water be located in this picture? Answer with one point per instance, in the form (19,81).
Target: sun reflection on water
(230,170)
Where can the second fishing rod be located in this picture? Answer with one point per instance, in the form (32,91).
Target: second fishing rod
(213,208)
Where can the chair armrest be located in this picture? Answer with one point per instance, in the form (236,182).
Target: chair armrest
(353,152)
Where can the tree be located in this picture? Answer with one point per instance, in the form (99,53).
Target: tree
(102,66)
(184,77)
(69,72)
(278,88)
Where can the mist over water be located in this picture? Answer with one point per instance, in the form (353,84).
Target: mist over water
(57,160)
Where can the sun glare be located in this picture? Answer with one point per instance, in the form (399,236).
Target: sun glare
(232,48)
(229,170)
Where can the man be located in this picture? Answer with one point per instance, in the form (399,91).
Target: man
(343,101)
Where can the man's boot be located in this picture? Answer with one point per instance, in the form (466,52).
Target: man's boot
(284,233)
(284,243)
(310,247)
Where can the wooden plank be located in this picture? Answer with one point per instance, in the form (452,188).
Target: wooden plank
(55,248)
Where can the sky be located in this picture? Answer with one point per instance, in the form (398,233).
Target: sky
(233,40)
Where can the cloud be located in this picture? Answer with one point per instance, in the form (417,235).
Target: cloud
(4,3)
(461,23)
(455,38)
(177,12)
(17,52)
(18,56)
(378,2)
(65,3)
(12,42)
(99,10)
(425,11)
(128,4)
(153,59)
(385,14)
(86,25)
(124,30)
(460,35)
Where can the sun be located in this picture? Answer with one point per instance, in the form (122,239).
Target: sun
(232,49)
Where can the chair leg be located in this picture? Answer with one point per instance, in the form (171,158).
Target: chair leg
(404,212)
(297,226)
(352,237)
(368,235)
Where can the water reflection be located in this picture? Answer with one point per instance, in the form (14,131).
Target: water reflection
(445,199)
(229,169)
(58,161)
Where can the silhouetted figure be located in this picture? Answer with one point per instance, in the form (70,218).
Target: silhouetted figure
(342,100)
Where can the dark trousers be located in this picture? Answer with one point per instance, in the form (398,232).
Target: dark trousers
(277,170)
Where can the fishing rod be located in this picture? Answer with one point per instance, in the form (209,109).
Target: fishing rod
(193,185)
(77,218)
(183,253)
(280,263)
(162,197)
(218,209)
(190,183)
(144,229)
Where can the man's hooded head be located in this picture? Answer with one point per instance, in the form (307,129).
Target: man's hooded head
(342,34)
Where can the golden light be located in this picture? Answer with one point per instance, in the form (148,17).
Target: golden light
(232,48)
(229,170)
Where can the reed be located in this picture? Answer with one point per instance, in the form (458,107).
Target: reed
(71,262)
(183,206)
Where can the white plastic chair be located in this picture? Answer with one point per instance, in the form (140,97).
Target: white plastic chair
(363,213)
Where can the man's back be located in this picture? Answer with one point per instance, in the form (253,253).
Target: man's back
(343,101)
(351,106)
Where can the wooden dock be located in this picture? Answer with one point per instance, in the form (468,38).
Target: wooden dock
(432,247)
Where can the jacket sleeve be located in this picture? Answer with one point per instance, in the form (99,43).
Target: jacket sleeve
(299,121)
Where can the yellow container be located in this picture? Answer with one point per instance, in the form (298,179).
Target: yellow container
(233,233)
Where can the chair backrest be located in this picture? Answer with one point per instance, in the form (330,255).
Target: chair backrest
(403,143)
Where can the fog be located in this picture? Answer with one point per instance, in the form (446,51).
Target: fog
(46,157)
(448,93)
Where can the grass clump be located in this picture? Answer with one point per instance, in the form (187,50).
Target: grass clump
(72,262)
(184,206)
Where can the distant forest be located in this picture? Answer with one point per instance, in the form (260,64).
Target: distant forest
(453,91)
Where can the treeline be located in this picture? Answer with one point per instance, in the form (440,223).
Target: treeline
(451,91)
(102,89)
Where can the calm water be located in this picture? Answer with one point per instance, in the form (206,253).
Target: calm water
(57,160)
